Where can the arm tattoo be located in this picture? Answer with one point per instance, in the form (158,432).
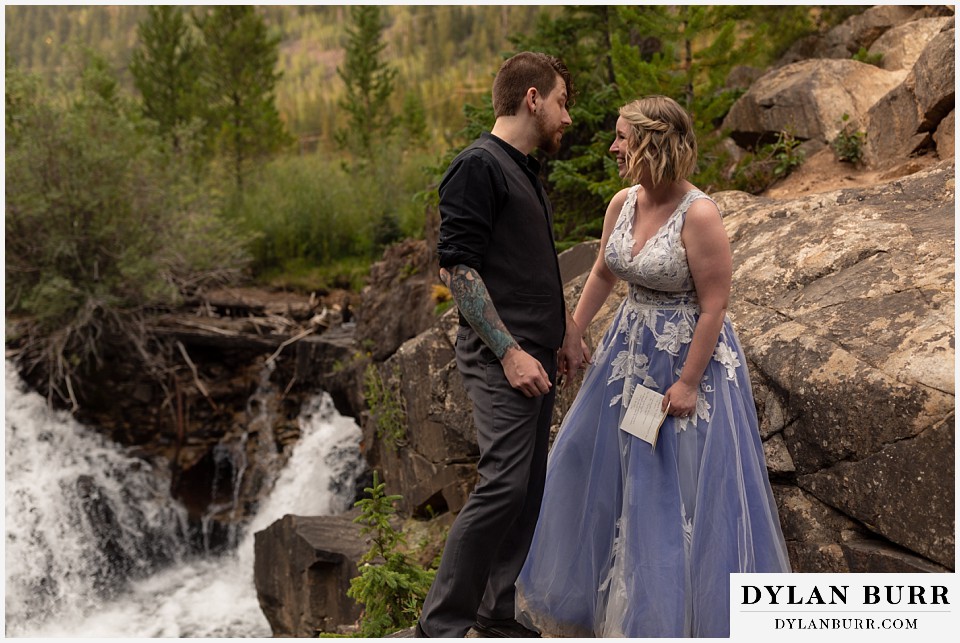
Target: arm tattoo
(477,308)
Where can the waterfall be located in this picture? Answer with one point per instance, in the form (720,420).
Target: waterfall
(96,547)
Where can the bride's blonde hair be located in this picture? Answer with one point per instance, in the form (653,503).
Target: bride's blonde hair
(662,137)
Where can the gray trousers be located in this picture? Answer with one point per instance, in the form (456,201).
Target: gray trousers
(488,542)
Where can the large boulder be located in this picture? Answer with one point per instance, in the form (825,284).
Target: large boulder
(945,137)
(302,571)
(844,303)
(933,79)
(433,463)
(902,45)
(903,121)
(859,31)
(397,302)
(862,30)
(808,100)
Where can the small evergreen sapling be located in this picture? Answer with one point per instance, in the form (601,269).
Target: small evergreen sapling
(390,586)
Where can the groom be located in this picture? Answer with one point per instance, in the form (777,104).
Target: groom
(497,255)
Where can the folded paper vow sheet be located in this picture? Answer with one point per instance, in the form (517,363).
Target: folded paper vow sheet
(644,415)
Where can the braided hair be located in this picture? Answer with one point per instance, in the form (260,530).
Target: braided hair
(661,138)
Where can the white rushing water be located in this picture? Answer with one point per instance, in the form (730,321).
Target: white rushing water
(95,546)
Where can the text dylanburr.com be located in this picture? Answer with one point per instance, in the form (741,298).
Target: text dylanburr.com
(844,607)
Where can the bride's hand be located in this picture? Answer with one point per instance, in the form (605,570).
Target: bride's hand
(682,399)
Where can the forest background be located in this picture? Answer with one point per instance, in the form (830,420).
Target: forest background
(154,151)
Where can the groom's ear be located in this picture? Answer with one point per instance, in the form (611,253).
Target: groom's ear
(531,99)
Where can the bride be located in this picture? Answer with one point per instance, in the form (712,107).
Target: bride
(634,541)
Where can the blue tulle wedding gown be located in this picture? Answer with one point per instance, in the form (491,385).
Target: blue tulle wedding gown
(640,542)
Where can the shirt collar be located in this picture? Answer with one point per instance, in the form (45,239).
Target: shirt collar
(525,161)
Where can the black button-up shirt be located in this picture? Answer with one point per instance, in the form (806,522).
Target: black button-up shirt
(472,194)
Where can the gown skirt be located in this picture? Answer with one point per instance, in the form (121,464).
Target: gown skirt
(636,541)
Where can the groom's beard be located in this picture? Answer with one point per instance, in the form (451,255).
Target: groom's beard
(549,138)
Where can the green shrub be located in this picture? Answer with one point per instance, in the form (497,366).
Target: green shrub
(311,211)
(386,406)
(771,162)
(865,57)
(785,154)
(848,145)
(390,586)
(102,222)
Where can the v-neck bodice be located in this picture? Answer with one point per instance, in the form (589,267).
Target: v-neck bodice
(659,272)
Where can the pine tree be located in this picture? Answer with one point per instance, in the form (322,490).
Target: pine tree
(390,586)
(369,84)
(240,78)
(165,69)
(414,120)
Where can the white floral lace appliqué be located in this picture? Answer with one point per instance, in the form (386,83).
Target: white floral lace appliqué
(728,357)
(674,336)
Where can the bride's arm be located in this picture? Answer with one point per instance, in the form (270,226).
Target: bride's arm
(711,266)
(600,281)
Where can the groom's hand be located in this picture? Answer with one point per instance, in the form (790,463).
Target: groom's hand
(525,372)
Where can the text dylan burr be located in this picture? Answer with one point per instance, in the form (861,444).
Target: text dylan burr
(837,595)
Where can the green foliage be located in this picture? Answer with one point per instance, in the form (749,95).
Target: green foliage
(390,586)
(848,145)
(349,273)
(771,162)
(99,224)
(386,405)
(785,154)
(310,214)
(865,56)
(166,68)
(312,221)
(239,78)
(413,119)
(369,83)
(448,52)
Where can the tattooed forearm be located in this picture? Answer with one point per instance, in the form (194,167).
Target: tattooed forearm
(475,305)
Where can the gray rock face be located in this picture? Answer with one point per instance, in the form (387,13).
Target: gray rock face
(844,304)
(899,491)
(302,570)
